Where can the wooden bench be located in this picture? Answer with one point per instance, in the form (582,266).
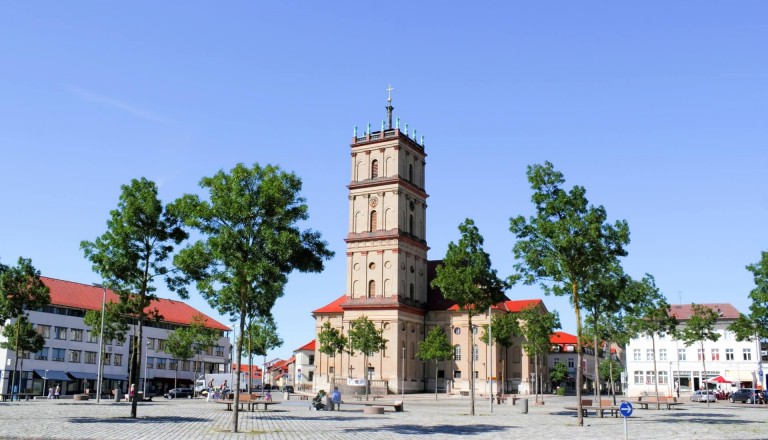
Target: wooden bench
(397,405)
(605,405)
(249,402)
(662,401)
(370,396)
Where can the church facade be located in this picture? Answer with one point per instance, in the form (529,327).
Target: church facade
(388,279)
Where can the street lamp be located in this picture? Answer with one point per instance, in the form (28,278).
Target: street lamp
(146,361)
(99,375)
(402,376)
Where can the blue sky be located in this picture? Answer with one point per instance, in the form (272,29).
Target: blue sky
(657,108)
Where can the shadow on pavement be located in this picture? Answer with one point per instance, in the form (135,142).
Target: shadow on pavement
(139,419)
(433,430)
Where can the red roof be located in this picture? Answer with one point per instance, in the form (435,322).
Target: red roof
(334,307)
(309,346)
(88,297)
(245,368)
(562,338)
(683,312)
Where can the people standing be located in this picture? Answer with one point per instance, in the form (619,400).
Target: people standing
(50,392)
(57,392)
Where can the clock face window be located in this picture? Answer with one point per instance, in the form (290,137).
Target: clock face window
(457,331)
(374,201)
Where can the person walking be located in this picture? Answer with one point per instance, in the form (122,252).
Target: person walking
(50,392)
(57,392)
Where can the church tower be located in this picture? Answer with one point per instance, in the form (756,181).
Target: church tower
(387,248)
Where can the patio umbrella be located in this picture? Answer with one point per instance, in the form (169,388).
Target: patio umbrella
(718,379)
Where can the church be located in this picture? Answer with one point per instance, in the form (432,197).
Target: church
(388,278)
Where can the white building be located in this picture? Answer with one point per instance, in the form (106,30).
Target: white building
(738,362)
(70,356)
(304,371)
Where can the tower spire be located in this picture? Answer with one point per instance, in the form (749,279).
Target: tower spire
(389,106)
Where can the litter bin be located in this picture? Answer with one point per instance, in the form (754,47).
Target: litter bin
(524,406)
(117,395)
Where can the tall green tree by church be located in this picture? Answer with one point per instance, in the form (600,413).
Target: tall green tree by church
(466,277)
(564,245)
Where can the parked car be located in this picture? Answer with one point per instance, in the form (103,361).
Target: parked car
(174,393)
(745,395)
(703,396)
(288,389)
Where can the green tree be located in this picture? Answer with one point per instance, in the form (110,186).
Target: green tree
(559,373)
(436,347)
(366,339)
(564,245)
(606,295)
(332,342)
(131,255)
(21,290)
(503,330)
(537,329)
(651,318)
(755,325)
(700,328)
(186,342)
(465,277)
(25,340)
(116,326)
(251,243)
(262,337)
(610,369)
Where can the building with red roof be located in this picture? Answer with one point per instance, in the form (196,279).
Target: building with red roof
(70,355)
(667,363)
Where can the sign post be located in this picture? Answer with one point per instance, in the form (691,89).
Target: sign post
(626,410)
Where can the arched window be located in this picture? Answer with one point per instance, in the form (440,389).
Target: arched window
(371,289)
(410,172)
(374,169)
(410,225)
(410,292)
(374,223)
(457,352)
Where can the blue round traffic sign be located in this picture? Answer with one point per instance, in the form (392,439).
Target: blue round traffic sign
(625,409)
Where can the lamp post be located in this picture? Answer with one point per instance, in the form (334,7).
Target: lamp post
(45,379)
(99,375)
(402,377)
(490,353)
(146,359)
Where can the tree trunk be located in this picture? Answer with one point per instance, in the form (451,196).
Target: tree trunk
(436,379)
(239,343)
(471,338)
(16,360)
(596,379)
(136,367)
(579,353)
(655,371)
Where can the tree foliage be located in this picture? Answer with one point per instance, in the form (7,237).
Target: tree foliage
(565,244)
(331,341)
(21,290)
(251,243)
(699,328)
(366,339)
(28,341)
(503,330)
(650,317)
(184,343)
(537,329)
(465,277)
(559,372)
(132,254)
(755,324)
(435,347)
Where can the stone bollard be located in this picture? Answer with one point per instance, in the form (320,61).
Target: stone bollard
(524,406)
